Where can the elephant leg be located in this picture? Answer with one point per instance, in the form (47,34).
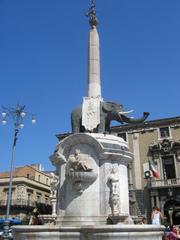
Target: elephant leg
(101,127)
(75,124)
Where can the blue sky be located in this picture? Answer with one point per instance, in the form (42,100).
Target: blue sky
(43,64)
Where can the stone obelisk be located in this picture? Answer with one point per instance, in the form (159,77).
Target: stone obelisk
(91,103)
(94,85)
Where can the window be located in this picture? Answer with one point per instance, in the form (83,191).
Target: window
(39,178)
(28,175)
(46,201)
(164,132)
(38,199)
(29,199)
(47,181)
(123,136)
(168,167)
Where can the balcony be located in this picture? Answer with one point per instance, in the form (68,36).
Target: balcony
(44,208)
(18,202)
(174,182)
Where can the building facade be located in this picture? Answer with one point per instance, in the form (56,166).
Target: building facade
(156,147)
(30,189)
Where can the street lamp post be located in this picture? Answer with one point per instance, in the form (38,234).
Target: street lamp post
(18,114)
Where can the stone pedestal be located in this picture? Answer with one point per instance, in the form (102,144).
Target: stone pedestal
(93,179)
(53,203)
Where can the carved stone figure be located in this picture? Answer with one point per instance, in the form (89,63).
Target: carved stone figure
(166,145)
(78,163)
(57,157)
(109,111)
(114,202)
(113,182)
(53,185)
(79,170)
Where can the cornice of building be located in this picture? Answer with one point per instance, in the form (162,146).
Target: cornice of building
(26,181)
(6,174)
(174,122)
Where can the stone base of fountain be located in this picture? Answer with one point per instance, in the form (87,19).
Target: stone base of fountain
(106,232)
(93,195)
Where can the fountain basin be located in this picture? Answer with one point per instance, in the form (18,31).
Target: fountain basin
(104,232)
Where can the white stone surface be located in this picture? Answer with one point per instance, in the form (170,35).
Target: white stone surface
(137,162)
(90,112)
(94,86)
(80,200)
(105,232)
(124,191)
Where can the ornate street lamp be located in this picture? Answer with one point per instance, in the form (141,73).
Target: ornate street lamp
(18,115)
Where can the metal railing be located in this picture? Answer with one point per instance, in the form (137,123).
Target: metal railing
(19,202)
(165,183)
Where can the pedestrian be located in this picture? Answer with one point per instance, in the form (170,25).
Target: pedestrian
(143,221)
(156,216)
(35,219)
(174,233)
(165,237)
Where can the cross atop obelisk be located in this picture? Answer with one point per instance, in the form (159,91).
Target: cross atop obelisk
(93,21)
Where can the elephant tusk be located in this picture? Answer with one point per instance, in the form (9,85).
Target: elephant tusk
(126,112)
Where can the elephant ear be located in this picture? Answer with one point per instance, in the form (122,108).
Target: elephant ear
(107,106)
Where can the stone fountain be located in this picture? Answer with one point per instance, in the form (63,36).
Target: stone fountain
(93,195)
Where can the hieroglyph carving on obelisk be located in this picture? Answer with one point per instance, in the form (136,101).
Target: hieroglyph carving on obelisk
(90,113)
(91,103)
